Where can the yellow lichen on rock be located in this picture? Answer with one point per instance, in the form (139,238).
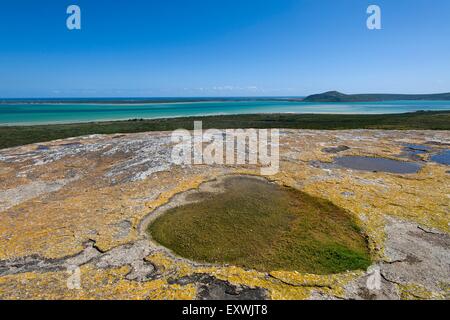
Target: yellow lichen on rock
(81,202)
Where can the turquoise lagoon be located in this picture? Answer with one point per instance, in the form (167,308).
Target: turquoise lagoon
(43,113)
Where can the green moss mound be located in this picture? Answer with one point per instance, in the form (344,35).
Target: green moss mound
(260,225)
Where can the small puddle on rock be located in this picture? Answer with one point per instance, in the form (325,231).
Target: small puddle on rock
(413,151)
(42,148)
(335,149)
(377,164)
(260,225)
(417,148)
(442,157)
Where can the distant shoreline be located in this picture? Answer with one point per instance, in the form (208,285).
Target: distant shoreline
(134,101)
(330,96)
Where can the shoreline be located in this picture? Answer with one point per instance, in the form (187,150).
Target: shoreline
(30,124)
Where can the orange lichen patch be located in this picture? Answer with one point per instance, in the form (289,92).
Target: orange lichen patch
(283,285)
(78,214)
(94,284)
(183,186)
(417,292)
(9,179)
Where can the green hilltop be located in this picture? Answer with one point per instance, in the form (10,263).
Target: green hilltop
(335,96)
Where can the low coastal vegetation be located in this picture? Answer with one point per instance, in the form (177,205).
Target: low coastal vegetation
(11,136)
(260,225)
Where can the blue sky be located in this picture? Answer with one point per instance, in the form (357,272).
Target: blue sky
(222,48)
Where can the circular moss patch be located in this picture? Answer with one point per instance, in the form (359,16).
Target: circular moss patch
(260,225)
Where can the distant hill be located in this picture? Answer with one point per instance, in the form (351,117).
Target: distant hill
(335,96)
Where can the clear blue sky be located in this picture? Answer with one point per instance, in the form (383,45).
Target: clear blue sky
(222,48)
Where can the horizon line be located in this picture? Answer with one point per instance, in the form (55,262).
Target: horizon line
(210,97)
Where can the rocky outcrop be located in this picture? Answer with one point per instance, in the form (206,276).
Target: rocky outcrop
(75,208)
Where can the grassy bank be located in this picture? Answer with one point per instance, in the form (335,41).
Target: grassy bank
(11,136)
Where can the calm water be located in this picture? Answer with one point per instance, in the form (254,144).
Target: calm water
(65,113)
(377,164)
(442,157)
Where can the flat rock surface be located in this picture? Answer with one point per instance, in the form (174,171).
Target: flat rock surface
(73,211)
